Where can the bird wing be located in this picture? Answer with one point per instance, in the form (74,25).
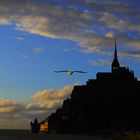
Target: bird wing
(61,71)
(80,71)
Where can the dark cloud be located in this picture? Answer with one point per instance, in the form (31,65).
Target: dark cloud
(132,53)
(87,25)
(111,6)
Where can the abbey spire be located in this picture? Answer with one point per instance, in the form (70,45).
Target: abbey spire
(115,63)
(115,51)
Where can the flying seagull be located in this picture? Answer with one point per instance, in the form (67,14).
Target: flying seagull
(69,72)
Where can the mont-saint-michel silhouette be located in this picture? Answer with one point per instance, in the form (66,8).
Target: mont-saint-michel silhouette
(109,103)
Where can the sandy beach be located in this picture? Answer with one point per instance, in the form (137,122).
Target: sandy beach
(25,135)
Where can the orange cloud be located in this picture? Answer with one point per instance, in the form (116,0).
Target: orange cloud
(51,94)
(43,104)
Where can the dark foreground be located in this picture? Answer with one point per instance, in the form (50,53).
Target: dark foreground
(25,135)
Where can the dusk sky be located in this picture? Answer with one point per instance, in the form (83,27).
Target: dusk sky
(38,37)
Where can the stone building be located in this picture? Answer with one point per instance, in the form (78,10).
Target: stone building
(41,127)
(109,103)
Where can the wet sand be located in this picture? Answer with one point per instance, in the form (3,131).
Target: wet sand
(25,135)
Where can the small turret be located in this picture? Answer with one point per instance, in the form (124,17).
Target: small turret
(35,126)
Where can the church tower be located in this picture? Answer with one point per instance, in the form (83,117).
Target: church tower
(115,64)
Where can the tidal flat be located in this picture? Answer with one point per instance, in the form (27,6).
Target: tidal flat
(25,135)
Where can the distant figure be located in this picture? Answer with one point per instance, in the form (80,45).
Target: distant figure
(35,127)
(70,72)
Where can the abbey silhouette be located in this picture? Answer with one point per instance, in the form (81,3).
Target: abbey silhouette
(109,103)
